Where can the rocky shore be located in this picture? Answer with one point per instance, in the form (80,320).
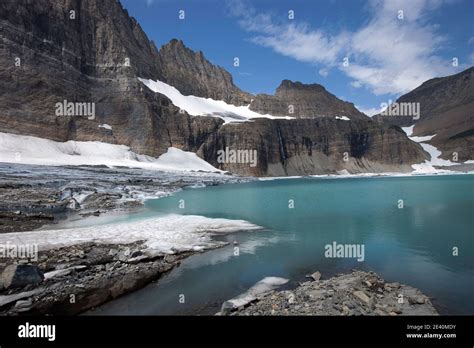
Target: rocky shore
(71,279)
(355,293)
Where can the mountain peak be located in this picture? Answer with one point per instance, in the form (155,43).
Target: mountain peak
(308,100)
(286,85)
(175,43)
(192,74)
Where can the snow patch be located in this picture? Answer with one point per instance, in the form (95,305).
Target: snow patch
(166,234)
(344,118)
(32,150)
(197,106)
(259,289)
(435,160)
(106,126)
(423,138)
(175,158)
(408,130)
(427,167)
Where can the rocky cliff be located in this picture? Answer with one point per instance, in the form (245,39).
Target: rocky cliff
(91,51)
(447,110)
(181,66)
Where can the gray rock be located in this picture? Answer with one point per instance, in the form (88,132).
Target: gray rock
(23,305)
(97,256)
(58,273)
(290,297)
(136,253)
(362,296)
(16,276)
(138,259)
(416,299)
(315,276)
(9,299)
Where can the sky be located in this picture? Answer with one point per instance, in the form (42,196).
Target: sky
(366,52)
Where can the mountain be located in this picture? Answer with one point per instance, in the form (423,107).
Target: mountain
(180,65)
(304,100)
(97,56)
(446,109)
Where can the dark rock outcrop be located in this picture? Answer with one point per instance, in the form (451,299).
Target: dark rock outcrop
(16,276)
(447,110)
(47,56)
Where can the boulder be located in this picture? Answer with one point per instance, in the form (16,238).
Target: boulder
(16,276)
(315,276)
(362,296)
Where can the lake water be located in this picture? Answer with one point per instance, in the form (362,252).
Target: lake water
(411,245)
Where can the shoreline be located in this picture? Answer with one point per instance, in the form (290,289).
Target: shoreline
(80,277)
(372,175)
(345,294)
(35,198)
(96,273)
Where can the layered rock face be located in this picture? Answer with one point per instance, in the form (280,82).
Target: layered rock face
(314,146)
(82,52)
(447,110)
(180,66)
(304,101)
(95,54)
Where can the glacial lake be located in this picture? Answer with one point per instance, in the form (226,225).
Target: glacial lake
(411,245)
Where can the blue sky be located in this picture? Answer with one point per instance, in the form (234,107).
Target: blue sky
(388,52)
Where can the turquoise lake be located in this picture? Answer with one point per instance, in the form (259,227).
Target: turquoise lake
(411,245)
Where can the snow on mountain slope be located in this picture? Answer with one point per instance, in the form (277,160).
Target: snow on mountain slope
(435,160)
(197,106)
(33,150)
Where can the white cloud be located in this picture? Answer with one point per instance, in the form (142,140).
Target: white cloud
(356,84)
(387,55)
(323,72)
(301,43)
(369,111)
